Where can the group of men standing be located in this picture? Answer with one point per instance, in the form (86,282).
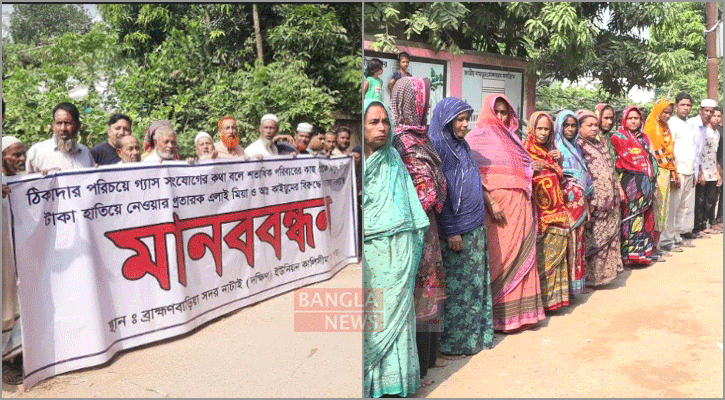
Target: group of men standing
(62,152)
(697,181)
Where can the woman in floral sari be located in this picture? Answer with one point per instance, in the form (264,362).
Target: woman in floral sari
(553,216)
(637,171)
(577,186)
(603,251)
(409,106)
(505,169)
(394,226)
(468,318)
(663,146)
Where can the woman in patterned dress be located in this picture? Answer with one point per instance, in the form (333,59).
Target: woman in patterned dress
(553,216)
(637,171)
(409,107)
(577,187)
(468,318)
(603,251)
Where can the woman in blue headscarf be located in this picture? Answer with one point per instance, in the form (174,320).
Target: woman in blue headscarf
(468,310)
(577,187)
(394,226)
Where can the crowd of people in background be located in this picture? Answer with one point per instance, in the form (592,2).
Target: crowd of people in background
(63,152)
(468,233)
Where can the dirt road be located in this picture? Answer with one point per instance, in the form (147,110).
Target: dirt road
(253,352)
(658,332)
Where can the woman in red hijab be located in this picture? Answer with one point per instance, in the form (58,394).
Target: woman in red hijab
(637,171)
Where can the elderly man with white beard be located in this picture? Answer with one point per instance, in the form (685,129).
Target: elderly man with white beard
(13,164)
(164,145)
(61,152)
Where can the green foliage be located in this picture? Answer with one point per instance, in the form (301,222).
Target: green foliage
(562,41)
(191,64)
(36,23)
(680,38)
(555,97)
(41,77)
(331,54)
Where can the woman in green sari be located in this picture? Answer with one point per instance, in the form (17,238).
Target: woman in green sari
(394,225)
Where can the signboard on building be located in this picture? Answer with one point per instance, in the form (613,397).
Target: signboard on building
(480,80)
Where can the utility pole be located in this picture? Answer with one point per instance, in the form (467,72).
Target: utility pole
(711,42)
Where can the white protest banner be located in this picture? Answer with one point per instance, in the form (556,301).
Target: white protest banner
(113,258)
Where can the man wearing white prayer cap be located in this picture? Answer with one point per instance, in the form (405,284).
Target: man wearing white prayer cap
(13,156)
(204,146)
(706,173)
(303,136)
(13,164)
(264,146)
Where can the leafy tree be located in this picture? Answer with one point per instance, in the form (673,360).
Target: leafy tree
(41,77)
(556,97)
(325,37)
(229,27)
(562,41)
(190,64)
(35,23)
(331,53)
(683,27)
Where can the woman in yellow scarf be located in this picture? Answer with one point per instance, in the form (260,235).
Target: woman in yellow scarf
(663,145)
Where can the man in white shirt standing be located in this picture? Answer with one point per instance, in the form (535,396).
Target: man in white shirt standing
(264,146)
(706,174)
(62,151)
(682,190)
(13,163)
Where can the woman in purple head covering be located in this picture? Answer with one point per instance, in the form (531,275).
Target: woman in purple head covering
(468,315)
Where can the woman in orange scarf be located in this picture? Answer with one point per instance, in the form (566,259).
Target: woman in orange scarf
(663,146)
(553,216)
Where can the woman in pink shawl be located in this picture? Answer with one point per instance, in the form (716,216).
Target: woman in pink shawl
(506,175)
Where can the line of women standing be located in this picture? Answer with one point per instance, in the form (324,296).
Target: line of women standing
(486,232)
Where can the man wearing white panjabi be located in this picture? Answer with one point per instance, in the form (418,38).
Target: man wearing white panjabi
(13,163)
(264,146)
(682,191)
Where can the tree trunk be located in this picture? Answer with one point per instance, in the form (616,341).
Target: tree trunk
(257,33)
